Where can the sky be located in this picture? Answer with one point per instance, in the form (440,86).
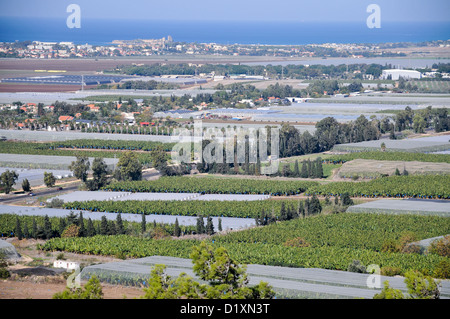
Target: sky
(232,10)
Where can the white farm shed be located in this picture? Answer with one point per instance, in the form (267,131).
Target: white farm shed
(395,74)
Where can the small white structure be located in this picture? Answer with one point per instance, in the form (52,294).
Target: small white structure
(395,74)
(68,265)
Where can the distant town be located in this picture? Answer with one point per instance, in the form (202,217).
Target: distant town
(167,46)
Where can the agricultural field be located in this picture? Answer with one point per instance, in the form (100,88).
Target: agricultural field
(109,150)
(421,145)
(238,209)
(432,86)
(214,186)
(362,168)
(418,186)
(35,176)
(9,212)
(387,156)
(327,242)
(315,283)
(83,196)
(409,206)
(44,161)
(50,136)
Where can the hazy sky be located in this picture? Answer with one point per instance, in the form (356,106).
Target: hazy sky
(251,10)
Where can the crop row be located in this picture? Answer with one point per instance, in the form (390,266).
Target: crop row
(349,230)
(246,253)
(389,156)
(8,147)
(420,186)
(242,209)
(110,145)
(214,186)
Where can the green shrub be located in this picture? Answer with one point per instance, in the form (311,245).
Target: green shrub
(390,271)
(442,270)
(441,247)
(356,266)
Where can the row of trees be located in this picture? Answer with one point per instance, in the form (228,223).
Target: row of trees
(309,169)
(129,168)
(310,206)
(8,180)
(421,119)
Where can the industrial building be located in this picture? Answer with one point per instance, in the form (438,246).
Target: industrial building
(395,74)
(68,79)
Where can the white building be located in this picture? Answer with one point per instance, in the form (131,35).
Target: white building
(68,265)
(395,74)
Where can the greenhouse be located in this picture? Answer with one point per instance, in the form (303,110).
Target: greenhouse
(8,250)
(287,282)
(404,206)
(228,223)
(83,196)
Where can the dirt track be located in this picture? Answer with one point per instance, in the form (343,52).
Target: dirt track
(11,289)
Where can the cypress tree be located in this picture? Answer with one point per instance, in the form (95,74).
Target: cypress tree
(34,230)
(177,230)
(90,229)
(307,207)
(82,231)
(119,225)
(62,225)
(72,219)
(309,167)
(314,205)
(143,224)
(26,185)
(26,232)
(296,169)
(283,215)
(48,233)
(18,229)
(112,229)
(104,226)
(301,209)
(304,170)
(319,168)
(209,226)
(200,225)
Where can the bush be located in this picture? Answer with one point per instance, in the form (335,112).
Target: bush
(390,271)
(60,256)
(356,266)
(4,273)
(441,247)
(55,203)
(442,270)
(296,242)
(390,246)
(412,249)
(71,231)
(406,238)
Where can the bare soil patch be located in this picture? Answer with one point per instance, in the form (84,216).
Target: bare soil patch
(33,288)
(372,168)
(33,276)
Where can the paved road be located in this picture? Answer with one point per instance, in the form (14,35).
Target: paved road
(147,175)
(14,198)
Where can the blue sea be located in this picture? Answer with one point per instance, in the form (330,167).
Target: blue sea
(101,32)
